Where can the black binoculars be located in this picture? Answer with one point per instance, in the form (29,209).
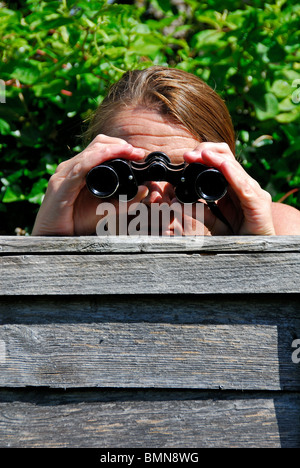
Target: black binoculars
(119,177)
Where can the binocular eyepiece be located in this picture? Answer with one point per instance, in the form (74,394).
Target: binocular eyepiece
(193,181)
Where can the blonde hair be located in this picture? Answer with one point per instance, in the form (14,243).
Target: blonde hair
(179,95)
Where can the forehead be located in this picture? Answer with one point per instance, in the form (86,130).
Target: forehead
(152,131)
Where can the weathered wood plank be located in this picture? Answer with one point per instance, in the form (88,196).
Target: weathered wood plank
(137,355)
(153,420)
(112,244)
(168,342)
(150,274)
(126,315)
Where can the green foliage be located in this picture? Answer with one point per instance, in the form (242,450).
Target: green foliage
(59,57)
(252,57)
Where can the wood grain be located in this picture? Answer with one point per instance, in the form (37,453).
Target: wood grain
(140,356)
(149,419)
(122,244)
(150,342)
(150,274)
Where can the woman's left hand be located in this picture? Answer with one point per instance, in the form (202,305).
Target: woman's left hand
(246,206)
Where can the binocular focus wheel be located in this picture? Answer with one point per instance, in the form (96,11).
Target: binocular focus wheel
(103,181)
(158,155)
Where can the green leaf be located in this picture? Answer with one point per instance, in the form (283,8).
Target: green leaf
(4,127)
(281,88)
(27,72)
(49,89)
(294,148)
(209,36)
(287,117)
(267,108)
(165,5)
(37,192)
(286,104)
(144,47)
(13,193)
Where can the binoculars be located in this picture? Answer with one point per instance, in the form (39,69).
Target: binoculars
(191,182)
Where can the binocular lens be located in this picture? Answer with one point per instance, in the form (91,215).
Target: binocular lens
(211,185)
(103,181)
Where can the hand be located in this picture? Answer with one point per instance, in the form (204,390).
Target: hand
(68,207)
(246,206)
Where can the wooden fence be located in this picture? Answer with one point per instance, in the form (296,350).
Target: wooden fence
(150,342)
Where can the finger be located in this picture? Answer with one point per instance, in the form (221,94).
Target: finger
(110,147)
(79,165)
(255,202)
(235,174)
(70,176)
(238,179)
(202,149)
(102,148)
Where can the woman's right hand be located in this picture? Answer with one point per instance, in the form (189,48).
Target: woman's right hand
(68,207)
(246,206)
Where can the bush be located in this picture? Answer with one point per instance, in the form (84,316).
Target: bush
(59,57)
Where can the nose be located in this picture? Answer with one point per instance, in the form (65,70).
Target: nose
(159,192)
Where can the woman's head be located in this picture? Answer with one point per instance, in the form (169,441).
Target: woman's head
(178,96)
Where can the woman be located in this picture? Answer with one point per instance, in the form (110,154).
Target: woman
(172,111)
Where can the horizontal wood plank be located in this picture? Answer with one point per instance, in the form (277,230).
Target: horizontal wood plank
(140,355)
(150,342)
(136,244)
(153,420)
(128,342)
(183,273)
